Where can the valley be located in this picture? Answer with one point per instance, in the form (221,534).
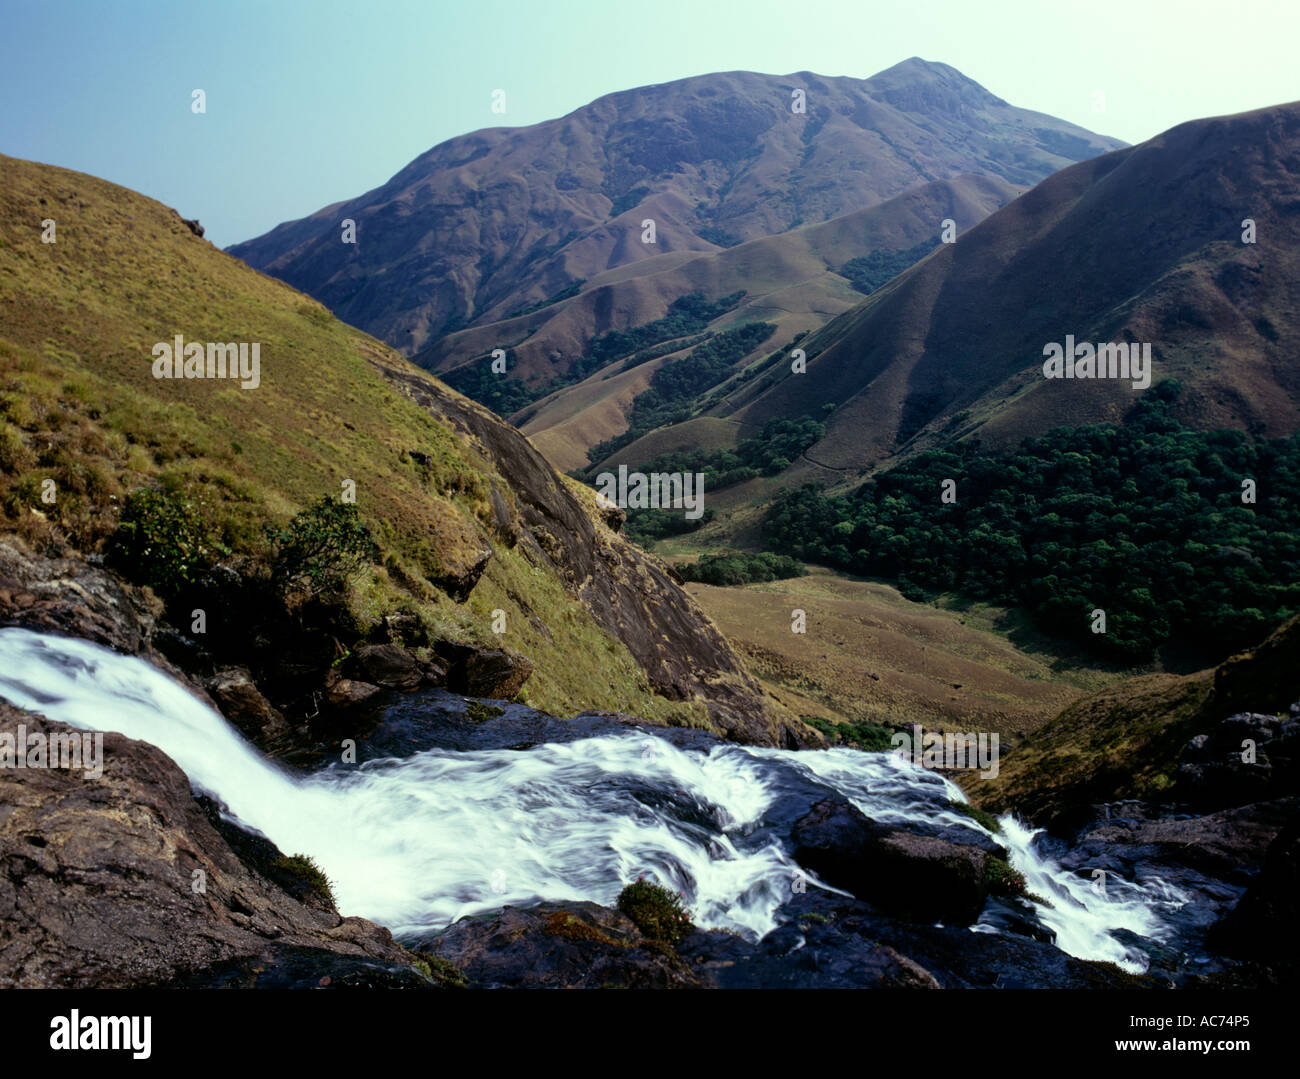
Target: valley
(538,570)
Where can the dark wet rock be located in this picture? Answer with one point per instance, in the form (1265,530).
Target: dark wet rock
(494,673)
(346,694)
(827,942)
(960,835)
(1215,845)
(556,946)
(242,703)
(393,667)
(1018,916)
(914,876)
(438,719)
(296,967)
(98,880)
(1202,863)
(801,956)
(1265,924)
(834,942)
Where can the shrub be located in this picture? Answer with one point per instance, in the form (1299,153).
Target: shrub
(320,548)
(304,871)
(741,569)
(163,540)
(656,911)
(481,713)
(1002,879)
(14,454)
(862,735)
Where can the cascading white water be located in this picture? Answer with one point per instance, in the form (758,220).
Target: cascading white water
(417,843)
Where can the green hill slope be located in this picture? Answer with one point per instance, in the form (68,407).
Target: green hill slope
(468,518)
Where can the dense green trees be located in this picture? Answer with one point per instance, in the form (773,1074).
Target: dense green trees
(768,454)
(506,393)
(1146,522)
(686,315)
(869,272)
(675,387)
(733,569)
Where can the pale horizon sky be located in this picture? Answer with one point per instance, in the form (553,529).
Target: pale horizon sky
(310,102)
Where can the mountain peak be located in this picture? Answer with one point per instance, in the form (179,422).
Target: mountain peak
(913,84)
(709,158)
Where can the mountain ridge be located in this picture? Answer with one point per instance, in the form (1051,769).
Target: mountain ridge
(712,154)
(1136,245)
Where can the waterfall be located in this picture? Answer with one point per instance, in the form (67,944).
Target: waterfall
(416,843)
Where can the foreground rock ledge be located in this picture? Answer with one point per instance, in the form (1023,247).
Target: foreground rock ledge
(97,886)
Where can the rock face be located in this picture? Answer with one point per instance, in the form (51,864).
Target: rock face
(1207,862)
(914,876)
(829,942)
(241,702)
(99,879)
(72,597)
(498,673)
(394,667)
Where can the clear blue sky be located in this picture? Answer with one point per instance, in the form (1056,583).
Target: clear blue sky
(313,101)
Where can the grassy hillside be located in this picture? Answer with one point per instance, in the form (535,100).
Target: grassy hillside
(793,277)
(869,655)
(79,406)
(1143,244)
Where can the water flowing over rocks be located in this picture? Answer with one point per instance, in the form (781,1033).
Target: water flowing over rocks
(828,868)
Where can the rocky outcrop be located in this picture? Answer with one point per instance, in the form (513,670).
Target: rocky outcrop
(73,597)
(240,701)
(1247,757)
(827,942)
(925,878)
(394,667)
(124,880)
(1265,924)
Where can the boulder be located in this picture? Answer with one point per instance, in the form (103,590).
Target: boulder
(923,878)
(73,597)
(1266,921)
(346,693)
(495,673)
(393,667)
(557,946)
(1212,774)
(241,702)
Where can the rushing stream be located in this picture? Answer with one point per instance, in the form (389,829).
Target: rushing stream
(416,843)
